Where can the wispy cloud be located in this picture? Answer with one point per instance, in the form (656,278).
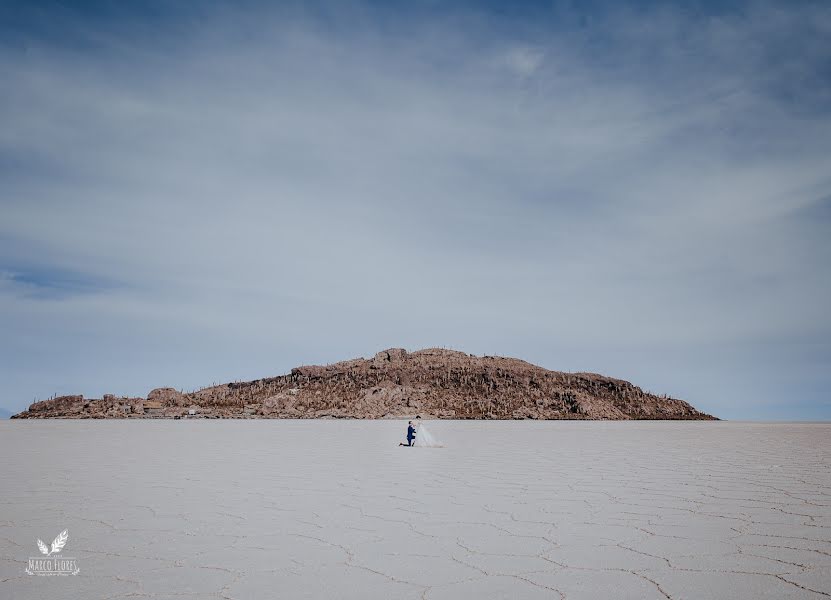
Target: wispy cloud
(49,283)
(606,191)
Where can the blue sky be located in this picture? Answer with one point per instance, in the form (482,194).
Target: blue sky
(221,191)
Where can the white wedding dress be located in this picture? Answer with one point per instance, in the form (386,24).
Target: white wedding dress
(424,439)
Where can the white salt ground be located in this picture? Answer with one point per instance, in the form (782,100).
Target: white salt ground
(335,509)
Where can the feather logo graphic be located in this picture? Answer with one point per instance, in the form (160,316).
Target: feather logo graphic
(57,544)
(51,561)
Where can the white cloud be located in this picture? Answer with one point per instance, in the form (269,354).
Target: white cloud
(522,60)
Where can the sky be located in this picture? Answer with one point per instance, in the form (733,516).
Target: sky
(195,193)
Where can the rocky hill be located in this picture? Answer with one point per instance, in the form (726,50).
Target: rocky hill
(433,383)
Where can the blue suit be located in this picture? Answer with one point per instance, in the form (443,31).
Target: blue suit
(411,433)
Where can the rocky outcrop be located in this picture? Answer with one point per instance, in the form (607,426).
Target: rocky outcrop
(433,383)
(168,397)
(69,406)
(78,407)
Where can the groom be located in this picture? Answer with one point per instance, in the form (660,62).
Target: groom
(411,433)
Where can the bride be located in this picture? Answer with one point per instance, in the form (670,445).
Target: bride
(423,438)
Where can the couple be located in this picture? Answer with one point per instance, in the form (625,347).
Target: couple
(417,435)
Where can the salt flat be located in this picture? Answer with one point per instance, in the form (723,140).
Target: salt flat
(334,509)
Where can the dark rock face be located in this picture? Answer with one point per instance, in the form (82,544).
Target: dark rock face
(434,383)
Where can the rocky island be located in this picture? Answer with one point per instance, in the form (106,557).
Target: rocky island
(434,383)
